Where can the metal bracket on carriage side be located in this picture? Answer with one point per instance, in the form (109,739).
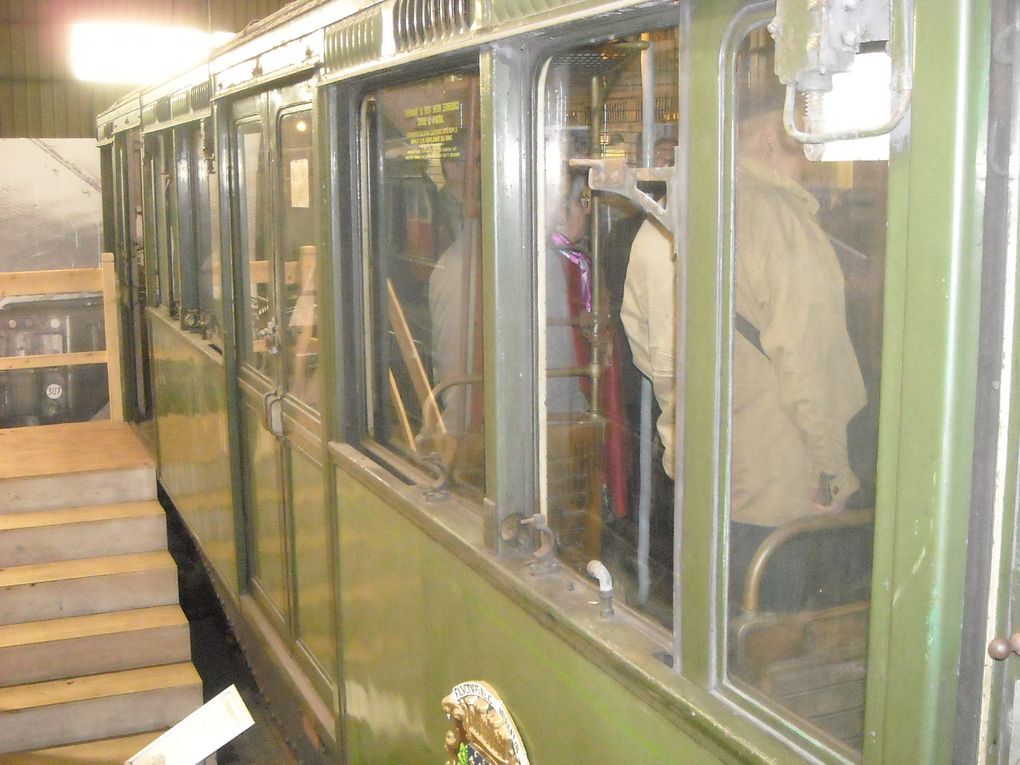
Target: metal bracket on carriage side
(437,491)
(544,558)
(614,176)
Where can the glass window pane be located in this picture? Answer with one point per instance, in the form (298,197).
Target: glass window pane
(605,346)
(207,204)
(257,307)
(297,246)
(153,232)
(809,243)
(424,266)
(169,241)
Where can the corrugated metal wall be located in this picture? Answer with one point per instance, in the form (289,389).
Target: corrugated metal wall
(39,97)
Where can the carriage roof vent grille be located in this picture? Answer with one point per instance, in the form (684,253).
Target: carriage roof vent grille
(179,103)
(420,22)
(354,41)
(163,109)
(200,96)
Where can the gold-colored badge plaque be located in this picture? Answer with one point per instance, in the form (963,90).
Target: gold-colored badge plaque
(481,730)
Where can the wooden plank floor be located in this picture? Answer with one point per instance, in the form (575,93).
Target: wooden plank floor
(77,447)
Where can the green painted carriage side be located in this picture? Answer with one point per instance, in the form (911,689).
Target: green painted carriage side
(928,391)
(417,620)
(194,447)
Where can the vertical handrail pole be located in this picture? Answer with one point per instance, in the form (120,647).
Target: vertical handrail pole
(111,320)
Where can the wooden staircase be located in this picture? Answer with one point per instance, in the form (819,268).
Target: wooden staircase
(95,657)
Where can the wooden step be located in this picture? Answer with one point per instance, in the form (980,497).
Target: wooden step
(83,463)
(42,591)
(43,536)
(108,751)
(72,710)
(32,652)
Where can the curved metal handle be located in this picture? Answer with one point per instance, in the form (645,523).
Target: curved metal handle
(265,409)
(274,415)
(789,122)
(782,535)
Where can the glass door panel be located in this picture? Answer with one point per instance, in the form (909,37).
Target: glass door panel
(296,248)
(256,283)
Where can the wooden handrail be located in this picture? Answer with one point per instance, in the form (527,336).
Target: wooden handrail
(17,283)
(40,360)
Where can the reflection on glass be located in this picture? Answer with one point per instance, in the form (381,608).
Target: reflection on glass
(807,324)
(258,331)
(297,246)
(425,269)
(600,342)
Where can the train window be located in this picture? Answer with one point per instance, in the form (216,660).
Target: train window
(618,99)
(297,247)
(152,231)
(258,333)
(169,234)
(809,244)
(206,199)
(423,255)
(187,214)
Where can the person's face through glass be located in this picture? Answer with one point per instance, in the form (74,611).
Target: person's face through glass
(663,156)
(572,218)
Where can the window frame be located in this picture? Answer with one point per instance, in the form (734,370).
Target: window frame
(187,217)
(154,268)
(541,66)
(361,336)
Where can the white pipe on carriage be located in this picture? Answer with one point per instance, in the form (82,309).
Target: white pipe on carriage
(598,570)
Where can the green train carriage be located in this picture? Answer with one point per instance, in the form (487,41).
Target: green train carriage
(384,330)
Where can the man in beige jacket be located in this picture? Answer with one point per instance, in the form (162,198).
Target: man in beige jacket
(796,381)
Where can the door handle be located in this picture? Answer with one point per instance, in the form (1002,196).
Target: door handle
(1002,647)
(272,413)
(265,409)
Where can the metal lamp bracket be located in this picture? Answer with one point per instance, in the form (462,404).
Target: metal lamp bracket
(815,40)
(614,176)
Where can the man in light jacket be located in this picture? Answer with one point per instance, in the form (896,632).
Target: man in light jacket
(796,380)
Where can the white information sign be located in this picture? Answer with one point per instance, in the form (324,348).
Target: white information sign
(299,191)
(201,733)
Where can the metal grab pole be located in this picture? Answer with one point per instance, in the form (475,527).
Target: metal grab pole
(645,454)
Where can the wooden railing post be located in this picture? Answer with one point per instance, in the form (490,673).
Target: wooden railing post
(111,318)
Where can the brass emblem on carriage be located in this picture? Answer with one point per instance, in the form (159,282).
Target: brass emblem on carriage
(481,729)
